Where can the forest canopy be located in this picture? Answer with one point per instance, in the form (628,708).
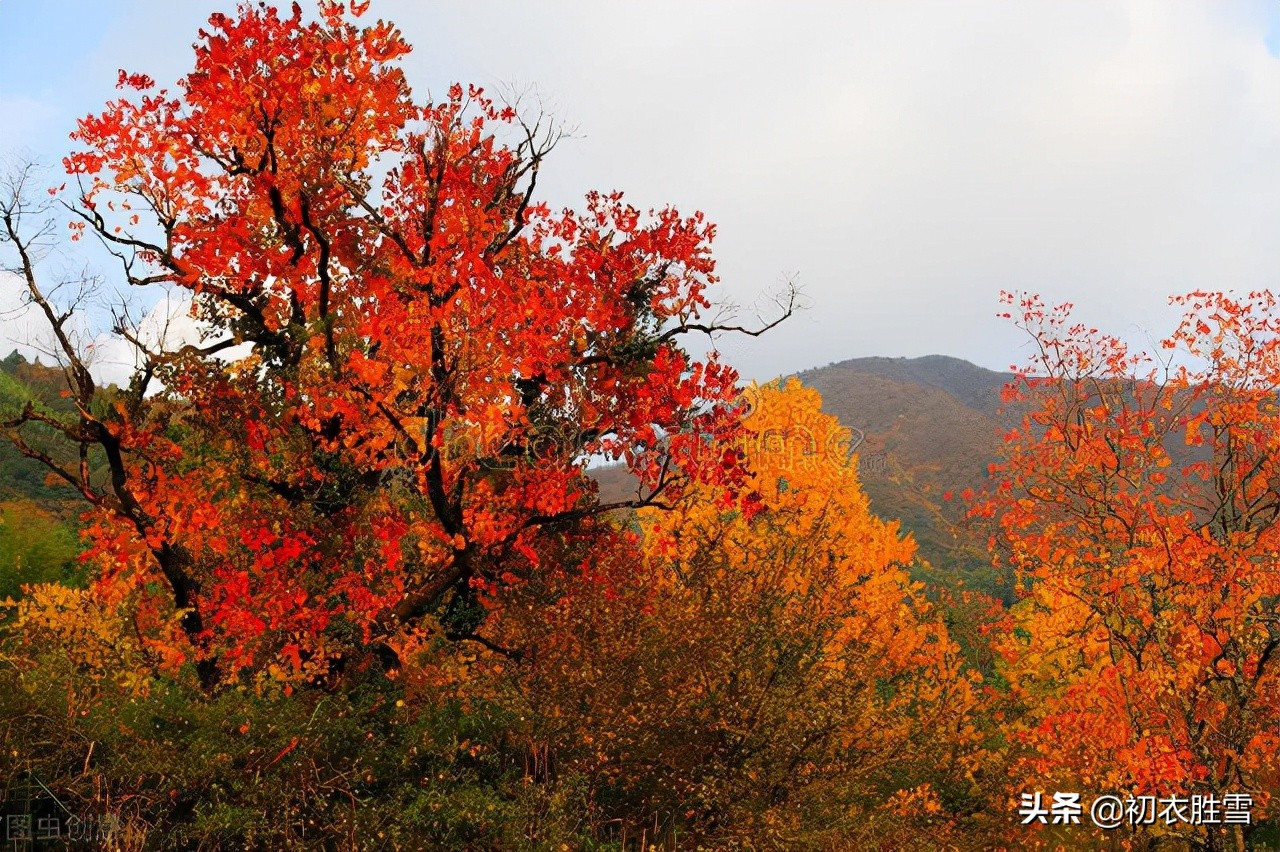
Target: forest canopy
(340,573)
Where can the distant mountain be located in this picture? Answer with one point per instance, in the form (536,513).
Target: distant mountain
(976,387)
(929,425)
(22,478)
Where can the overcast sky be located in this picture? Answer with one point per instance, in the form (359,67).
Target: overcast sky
(901,161)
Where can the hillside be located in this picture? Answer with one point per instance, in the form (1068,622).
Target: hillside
(38,538)
(929,425)
(22,478)
(976,387)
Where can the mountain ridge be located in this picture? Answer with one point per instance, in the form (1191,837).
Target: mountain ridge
(929,425)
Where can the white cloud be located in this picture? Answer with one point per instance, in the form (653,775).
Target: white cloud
(166,326)
(20,322)
(907,160)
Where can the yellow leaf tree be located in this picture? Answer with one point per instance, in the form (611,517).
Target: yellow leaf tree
(754,661)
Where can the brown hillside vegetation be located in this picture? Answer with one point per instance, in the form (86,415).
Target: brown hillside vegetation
(976,387)
(927,426)
(358,589)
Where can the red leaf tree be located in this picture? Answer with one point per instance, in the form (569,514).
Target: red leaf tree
(1139,502)
(432,354)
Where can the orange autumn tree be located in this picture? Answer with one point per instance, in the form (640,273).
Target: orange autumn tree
(1139,503)
(772,675)
(425,355)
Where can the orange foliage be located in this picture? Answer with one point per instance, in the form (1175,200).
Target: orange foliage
(434,353)
(759,652)
(1137,502)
